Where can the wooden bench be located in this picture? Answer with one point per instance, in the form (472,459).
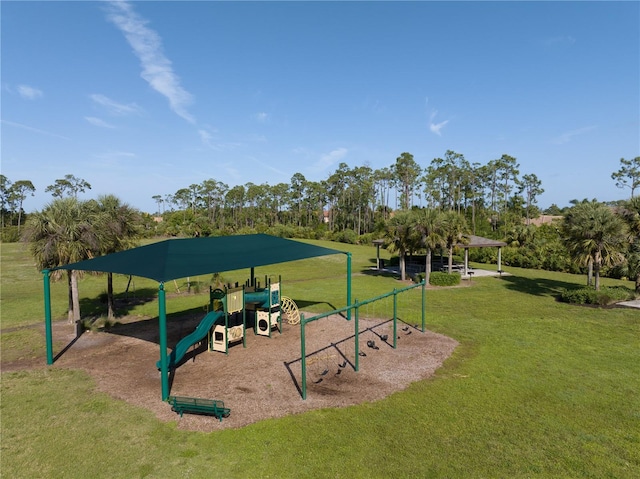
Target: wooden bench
(199,406)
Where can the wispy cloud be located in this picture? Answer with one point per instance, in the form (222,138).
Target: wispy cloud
(113,107)
(558,40)
(261,116)
(329,159)
(28,92)
(35,130)
(98,122)
(435,127)
(209,138)
(157,69)
(569,135)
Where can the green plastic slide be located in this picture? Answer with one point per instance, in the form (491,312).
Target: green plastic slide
(197,335)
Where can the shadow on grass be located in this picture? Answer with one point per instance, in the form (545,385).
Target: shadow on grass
(178,325)
(537,286)
(124,303)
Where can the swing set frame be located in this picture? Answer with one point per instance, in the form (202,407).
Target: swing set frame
(356,307)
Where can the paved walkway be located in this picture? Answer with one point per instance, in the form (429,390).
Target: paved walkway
(631,304)
(477,273)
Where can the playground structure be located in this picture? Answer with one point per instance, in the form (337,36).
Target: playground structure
(230,311)
(356,348)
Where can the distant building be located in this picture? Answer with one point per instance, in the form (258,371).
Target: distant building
(544,220)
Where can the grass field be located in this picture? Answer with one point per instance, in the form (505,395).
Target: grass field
(537,388)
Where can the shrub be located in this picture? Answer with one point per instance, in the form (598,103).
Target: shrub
(588,295)
(438,278)
(346,236)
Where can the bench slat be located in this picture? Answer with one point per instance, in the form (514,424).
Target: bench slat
(199,405)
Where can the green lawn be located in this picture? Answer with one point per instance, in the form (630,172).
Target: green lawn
(536,388)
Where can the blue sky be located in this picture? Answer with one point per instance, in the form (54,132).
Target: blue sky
(144,98)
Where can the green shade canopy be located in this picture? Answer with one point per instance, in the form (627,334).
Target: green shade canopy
(179,258)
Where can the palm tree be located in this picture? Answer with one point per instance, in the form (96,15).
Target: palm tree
(60,234)
(595,236)
(454,229)
(630,213)
(400,231)
(428,224)
(116,227)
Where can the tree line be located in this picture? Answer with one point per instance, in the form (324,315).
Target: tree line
(435,209)
(360,199)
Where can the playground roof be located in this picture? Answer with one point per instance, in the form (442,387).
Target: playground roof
(179,258)
(480,242)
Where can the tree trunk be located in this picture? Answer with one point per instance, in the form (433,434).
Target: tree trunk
(450,260)
(596,275)
(427,266)
(110,306)
(402,266)
(638,283)
(70,290)
(590,272)
(75,297)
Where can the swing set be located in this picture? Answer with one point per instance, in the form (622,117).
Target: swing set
(356,309)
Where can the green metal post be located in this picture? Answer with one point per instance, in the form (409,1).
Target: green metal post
(164,363)
(279,302)
(395,318)
(348,285)
(244,321)
(303,359)
(424,302)
(357,339)
(47,315)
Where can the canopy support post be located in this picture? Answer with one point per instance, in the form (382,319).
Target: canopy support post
(162,317)
(47,315)
(349,286)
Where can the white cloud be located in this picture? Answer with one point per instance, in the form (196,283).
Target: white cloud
(35,130)
(261,116)
(559,40)
(329,159)
(208,137)
(98,122)
(436,127)
(156,67)
(568,136)
(114,107)
(29,92)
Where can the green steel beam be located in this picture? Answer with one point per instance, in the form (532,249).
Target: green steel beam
(164,363)
(47,315)
(349,285)
(303,358)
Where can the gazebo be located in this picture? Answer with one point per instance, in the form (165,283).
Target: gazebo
(179,258)
(480,242)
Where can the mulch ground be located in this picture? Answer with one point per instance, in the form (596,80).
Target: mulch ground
(261,380)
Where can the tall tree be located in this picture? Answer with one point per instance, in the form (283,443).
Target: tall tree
(454,229)
(116,229)
(62,233)
(297,190)
(428,224)
(18,193)
(400,232)
(158,199)
(68,186)
(628,175)
(531,187)
(406,173)
(594,236)
(5,185)
(630,213)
